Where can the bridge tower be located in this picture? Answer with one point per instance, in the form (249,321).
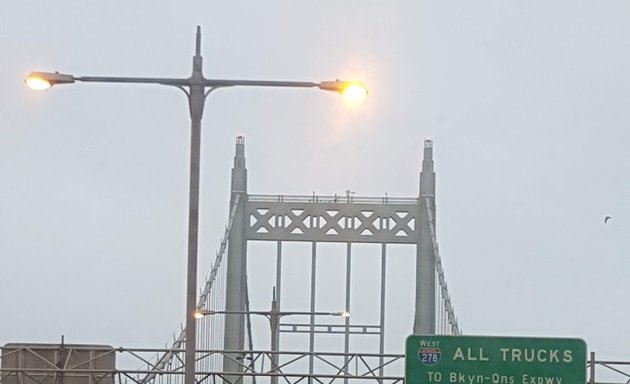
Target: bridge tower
(424,322)
(342,219)
(236,280)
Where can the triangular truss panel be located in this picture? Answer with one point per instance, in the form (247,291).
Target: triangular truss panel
(332,219)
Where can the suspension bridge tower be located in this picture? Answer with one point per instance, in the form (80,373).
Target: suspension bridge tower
(334,219)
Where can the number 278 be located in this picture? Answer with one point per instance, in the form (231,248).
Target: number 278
(429,358)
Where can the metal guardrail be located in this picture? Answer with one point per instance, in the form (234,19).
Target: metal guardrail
(331,368)
(603,371)
(293,368)
(341,199)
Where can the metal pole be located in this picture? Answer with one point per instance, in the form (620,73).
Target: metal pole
(311,341)
(592,369)
(381,338)
(346,341)
(274,318)
(196,100)
(279,269)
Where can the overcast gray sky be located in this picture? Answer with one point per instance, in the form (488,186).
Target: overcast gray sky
(528,103)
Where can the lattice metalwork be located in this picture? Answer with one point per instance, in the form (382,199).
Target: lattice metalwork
(607,371)
(353,368)
(53,364)
(332,219)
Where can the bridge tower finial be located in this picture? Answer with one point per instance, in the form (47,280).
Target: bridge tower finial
(427,177)
(424,322)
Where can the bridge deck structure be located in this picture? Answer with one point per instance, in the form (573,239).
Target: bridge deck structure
(138,363)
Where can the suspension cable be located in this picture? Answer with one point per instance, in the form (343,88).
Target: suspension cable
(452,319)
(181,338)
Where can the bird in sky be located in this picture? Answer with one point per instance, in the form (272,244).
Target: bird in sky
(606,219)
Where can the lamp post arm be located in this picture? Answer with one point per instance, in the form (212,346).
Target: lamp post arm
(135,80)
(271,313)
(308,313)
(218,83)
(211,83)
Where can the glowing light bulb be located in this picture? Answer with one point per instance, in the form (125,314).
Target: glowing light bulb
(354,93)
(37,83)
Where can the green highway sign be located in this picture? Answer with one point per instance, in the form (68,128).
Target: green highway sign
(446,359)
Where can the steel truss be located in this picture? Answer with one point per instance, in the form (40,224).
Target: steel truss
(332,219)
(292,369)
(336,368)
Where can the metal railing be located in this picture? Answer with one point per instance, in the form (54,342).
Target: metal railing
(607,371)
(341,199)
(331,368)
(293,368)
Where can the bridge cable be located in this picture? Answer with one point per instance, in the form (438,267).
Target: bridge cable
(249,330)
(452,319)
(167,357)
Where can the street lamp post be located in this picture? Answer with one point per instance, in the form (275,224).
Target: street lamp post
(274,324)
(197,88)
